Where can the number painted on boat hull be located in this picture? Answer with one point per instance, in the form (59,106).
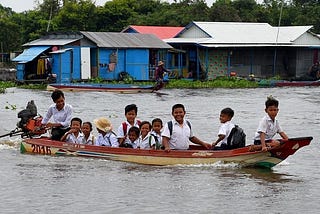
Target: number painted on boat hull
(46,150)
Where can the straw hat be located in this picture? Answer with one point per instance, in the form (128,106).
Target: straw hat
(160,63)
(103,124)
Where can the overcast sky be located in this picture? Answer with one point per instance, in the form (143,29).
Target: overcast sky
(22,5)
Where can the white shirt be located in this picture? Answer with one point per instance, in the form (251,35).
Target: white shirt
(144,142)
(71,138)
(134,144)
(120,130)
(90,141)
(63,116)
(180,135)
(269,127)
(159,138)
(109,139)
(225,129)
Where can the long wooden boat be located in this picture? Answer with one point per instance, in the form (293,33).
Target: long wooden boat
(297,83)
(286,83)
(246,156)
(119,88)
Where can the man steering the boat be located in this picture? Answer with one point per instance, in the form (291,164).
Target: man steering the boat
(177,133)
(61,113)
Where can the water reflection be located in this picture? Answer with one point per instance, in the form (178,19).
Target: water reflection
(265,175)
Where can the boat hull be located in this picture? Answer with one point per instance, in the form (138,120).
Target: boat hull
(196,155)
(297,83)
(118,88)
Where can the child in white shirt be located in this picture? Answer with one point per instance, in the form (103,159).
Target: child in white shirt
(74,135)
(156,132)
(89,138)
(106,136)
(226,126)
(146,140)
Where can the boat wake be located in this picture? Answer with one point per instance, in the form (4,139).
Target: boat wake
(11,143)
(217,165)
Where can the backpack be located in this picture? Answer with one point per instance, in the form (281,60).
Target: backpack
(170,126)
(125,126)
(236,138)
(158,145)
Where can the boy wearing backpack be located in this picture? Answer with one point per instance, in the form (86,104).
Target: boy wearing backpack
(226,126)
(131,112)
(178,136)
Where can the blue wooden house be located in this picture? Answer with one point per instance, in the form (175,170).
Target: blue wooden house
(81,56)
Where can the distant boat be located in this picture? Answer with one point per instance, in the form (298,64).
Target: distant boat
(118,88)
(297,83)
(246,157)
(287,83)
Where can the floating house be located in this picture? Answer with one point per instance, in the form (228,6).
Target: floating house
(212,49)
(81,56)
(171,57)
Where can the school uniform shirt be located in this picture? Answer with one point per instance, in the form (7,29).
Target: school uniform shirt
(158,136)
(120,130)
(63,116)
(180,135)
(90,141)
(225,129)
(71,138)
(134,144)
(269,127)
(144,143)
(109,139)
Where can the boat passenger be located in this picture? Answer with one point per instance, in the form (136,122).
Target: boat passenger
(146,140)
(181,133)
(133,136)
(131,112)
(74,135)
(86,129)
(157,126)
(269,126)
(61,113)
(106,136)
(226,126)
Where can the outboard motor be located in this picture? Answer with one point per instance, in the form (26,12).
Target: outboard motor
(30,123)
(26,114)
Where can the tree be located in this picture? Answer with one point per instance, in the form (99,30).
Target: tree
(246,9)
(114,15)
(76,16)
(223,11)
(9,35)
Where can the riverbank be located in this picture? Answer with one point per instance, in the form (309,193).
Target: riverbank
(172,84)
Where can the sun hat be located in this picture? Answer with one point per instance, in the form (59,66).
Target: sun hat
(160,63)
(103,124)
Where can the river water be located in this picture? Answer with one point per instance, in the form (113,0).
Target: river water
(44,184)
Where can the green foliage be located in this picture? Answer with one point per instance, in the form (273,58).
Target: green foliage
(224,82)
(76,16)
(11,106)
(4,85)
(33,86)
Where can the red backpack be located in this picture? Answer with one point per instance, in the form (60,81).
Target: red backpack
(125,126)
